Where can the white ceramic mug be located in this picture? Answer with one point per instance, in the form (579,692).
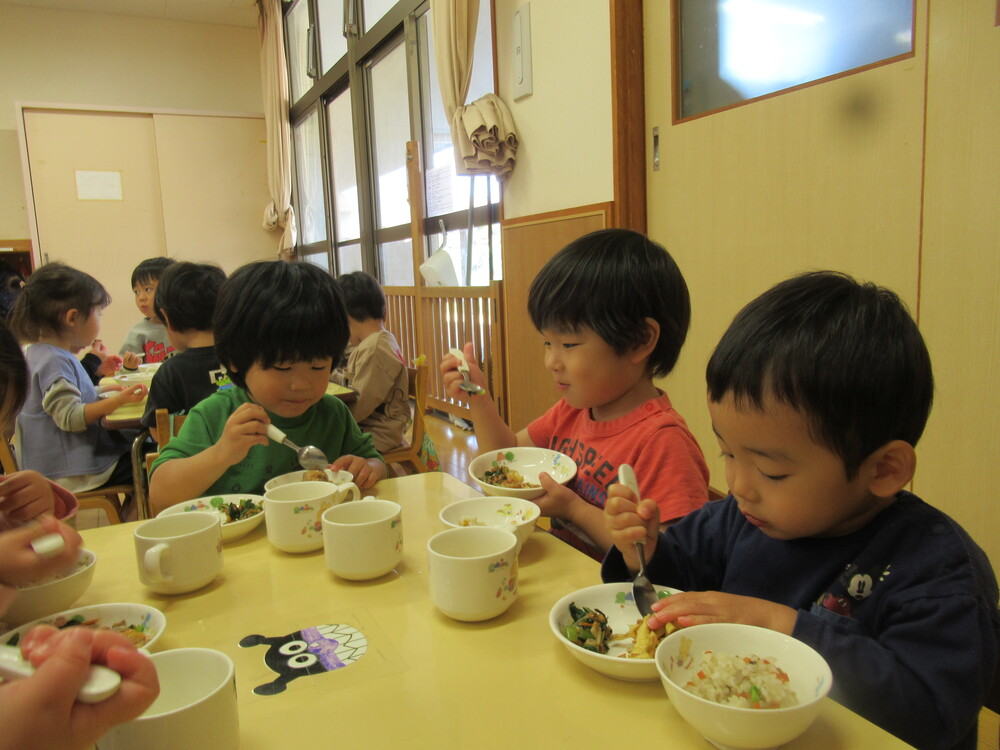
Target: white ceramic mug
(473,571)
(196,708)
(179,553)
(293,513)
(363,540)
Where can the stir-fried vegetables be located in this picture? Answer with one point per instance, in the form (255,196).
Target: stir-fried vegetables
(589,628)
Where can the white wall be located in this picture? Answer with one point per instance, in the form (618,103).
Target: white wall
(564,159)
(64,57)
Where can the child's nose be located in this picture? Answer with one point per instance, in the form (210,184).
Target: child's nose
(739,483)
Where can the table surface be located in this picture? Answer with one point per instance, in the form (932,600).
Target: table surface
(426,680)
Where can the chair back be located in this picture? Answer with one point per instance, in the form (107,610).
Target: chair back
(165,427)
(7,457)
(417,382)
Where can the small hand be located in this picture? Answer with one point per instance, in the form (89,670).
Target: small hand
(245,428)
(131,360)
(365,475)
(20,564)
(629,520)
(25,495)
(133,394)
(700,607)
(109,365)
(451,377)
(558,501)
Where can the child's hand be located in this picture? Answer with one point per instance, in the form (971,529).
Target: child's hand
(365,474)
(558,500)
(25,495)
(42,712)
(130,395)
(245,428)
(20,564)
(131,360)
(700,607)
(629,521)
(452,377)
(109,365)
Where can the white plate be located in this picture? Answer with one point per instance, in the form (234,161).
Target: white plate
(54,594)
(107,615)
(614,600)
(529,463)
(336,477)
(230,531)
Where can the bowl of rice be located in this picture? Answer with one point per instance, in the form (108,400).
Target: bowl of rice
(511,513)
(513,472)
(742,686)
(52,593)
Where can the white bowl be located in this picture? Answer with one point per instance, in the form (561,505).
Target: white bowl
(54,593)
(335,477)
(616,602)
(731,726)
(151,619)
(511,513)
(230,530)
(128,379)
(153,367)
(529,462)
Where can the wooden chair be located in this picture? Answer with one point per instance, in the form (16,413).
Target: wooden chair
(410,456)
(165,426)
(104,498)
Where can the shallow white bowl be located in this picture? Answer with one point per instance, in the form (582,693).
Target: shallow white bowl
(106,616)
(230,531)
(127,379)
(616,602)
(336,477)
(511,513)
(731,726)
(529,462)
(54,593)
(153,367)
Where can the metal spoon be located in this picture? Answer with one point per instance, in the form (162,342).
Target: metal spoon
(463,369)
(101,682)
(310,457)
(642,588)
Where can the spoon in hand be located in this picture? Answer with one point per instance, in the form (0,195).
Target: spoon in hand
(463,369)
(101,682)
(642,588)
(310,457)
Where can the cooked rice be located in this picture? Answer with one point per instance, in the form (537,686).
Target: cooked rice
(744,681)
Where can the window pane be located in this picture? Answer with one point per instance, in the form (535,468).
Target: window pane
(349,259)
(456,248)
(309,178)
(445,191)
(296,31)
(397,263)
(332,43)
(320,260)
(375,9)
(732,50)
(391,129)
(345,180)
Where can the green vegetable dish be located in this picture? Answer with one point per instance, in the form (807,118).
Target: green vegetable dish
(589,629)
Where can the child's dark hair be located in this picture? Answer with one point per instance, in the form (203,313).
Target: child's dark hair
(13,376)
(188,291)
(51,291)
(150,269)
(272,311)
(10,287)
(363,296)
(845,354)
(610,281)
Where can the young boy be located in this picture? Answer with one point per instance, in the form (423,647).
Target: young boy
(375,368)
(147,340)
(614,310)
(279,327)
(185,302)
(818,392)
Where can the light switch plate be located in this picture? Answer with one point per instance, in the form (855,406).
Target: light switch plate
(521,59)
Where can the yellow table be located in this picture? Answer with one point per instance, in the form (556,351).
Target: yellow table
(426,681)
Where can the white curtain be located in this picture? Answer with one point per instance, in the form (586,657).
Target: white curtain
(482,133)
(278,214)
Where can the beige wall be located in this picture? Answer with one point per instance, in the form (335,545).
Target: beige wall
(64,57)
(564,127)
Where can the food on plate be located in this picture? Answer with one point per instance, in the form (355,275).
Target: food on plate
(232,512)
(138,633)
(589,628)
(470,521)
(504,476)
(315,475)
(645,640)
(743,681)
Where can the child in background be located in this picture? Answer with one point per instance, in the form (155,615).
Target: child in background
(614,311)
(185,302)
(147,341)
(60,434)
(375,368)
(279,327)
(818,392)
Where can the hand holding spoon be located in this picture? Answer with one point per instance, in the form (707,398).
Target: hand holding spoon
(463,369)
(310,457)
(642,588)
(100,685)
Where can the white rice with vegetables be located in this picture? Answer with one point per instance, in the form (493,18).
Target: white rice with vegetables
(743,681)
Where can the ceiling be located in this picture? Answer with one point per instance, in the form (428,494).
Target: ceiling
(223,12)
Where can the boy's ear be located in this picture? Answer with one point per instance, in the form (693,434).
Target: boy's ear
(72,316)
(649,340)
(892,467)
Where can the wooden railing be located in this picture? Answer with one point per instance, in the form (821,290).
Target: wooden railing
(431,320)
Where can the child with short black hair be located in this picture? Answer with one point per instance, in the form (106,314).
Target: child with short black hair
(376,368)
(279,327)
(185,302)
(147,341)
(614,311)
(60,433)
(818,392)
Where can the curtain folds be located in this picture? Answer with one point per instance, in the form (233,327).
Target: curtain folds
(278,214)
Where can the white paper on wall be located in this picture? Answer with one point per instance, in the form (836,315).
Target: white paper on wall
(98,186)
